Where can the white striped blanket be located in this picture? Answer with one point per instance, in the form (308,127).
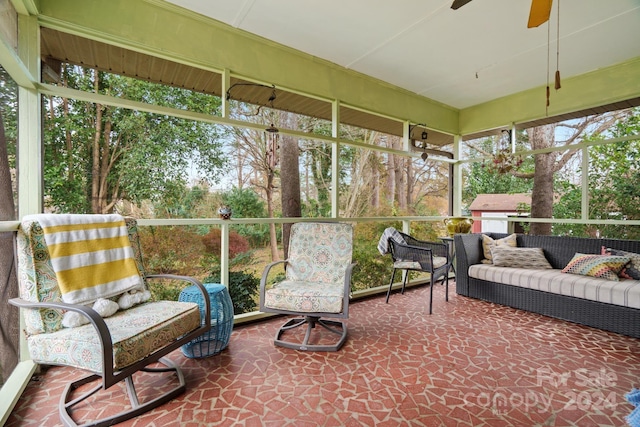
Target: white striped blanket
(90,254)
(389,233)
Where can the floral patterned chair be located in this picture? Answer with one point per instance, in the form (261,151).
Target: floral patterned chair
(114,347)
(317,286)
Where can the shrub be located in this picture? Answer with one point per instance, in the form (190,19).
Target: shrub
(243,289)
(165,290)
(212,243)
(174,250)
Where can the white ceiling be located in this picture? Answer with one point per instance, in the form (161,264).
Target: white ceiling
(461,58)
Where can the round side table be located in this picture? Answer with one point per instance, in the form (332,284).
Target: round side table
(217,339)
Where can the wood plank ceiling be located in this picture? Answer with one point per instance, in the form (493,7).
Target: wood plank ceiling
(58,47)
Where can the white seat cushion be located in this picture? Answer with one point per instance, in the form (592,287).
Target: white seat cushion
(625,292)
(307,297)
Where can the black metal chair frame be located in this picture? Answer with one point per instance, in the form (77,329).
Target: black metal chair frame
(421,252)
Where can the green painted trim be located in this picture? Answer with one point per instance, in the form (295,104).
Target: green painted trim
(26,7)
(29,113)
(13,388)
(601,87)
(14,66)
(142,26)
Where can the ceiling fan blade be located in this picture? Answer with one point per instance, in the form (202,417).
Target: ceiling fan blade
(540,11)
(457,4)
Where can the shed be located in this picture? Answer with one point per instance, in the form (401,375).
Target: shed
(496,205)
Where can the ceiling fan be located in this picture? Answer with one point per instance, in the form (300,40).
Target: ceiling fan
(539,14)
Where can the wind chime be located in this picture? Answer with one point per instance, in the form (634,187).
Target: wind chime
(272,138)
(557,84)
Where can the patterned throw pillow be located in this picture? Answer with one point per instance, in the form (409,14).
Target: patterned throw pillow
(632,270)
(488,243)
(506,256)
(602,266)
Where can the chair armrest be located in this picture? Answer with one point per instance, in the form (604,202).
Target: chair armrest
(193,281)
(94,318)
(265,275)
(422,254)
(347,287)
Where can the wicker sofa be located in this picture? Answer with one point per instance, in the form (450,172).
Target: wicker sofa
(559,251)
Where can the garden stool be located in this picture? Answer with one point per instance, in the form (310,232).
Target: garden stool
(217,339)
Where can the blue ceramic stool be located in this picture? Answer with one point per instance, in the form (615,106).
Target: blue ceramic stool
(217,339)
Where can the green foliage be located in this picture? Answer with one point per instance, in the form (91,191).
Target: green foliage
(243,289)
(245,203)
(142,156)
(614,187)
(316,156)
(372,269)
(166,291)
(180,201)
(481,179)
(9,112)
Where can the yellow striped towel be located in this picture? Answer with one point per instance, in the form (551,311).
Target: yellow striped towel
(90,254)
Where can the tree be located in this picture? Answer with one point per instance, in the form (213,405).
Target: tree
(546,165)
(259,150)
(614,180)
(97,155)
(289,177)
(481,178)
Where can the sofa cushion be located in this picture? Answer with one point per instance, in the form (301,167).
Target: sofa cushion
(624,292)
(506,256)
(603,266)
(488,243)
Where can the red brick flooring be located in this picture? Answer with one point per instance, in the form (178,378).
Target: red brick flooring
(471,363)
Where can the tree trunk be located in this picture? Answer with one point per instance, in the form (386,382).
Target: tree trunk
(289,181)
(410,182)
(95,161)
(272,227)
(391,180)
(400,184)
(375,196)
(542,193)
(9,315)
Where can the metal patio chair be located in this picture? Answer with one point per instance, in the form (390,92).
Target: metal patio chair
(317,285)
(113,348)
(412,254)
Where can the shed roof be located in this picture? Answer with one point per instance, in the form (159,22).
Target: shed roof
(499,202)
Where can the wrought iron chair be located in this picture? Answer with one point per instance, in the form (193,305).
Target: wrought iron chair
(113,348)
(317,286)
(412,254)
